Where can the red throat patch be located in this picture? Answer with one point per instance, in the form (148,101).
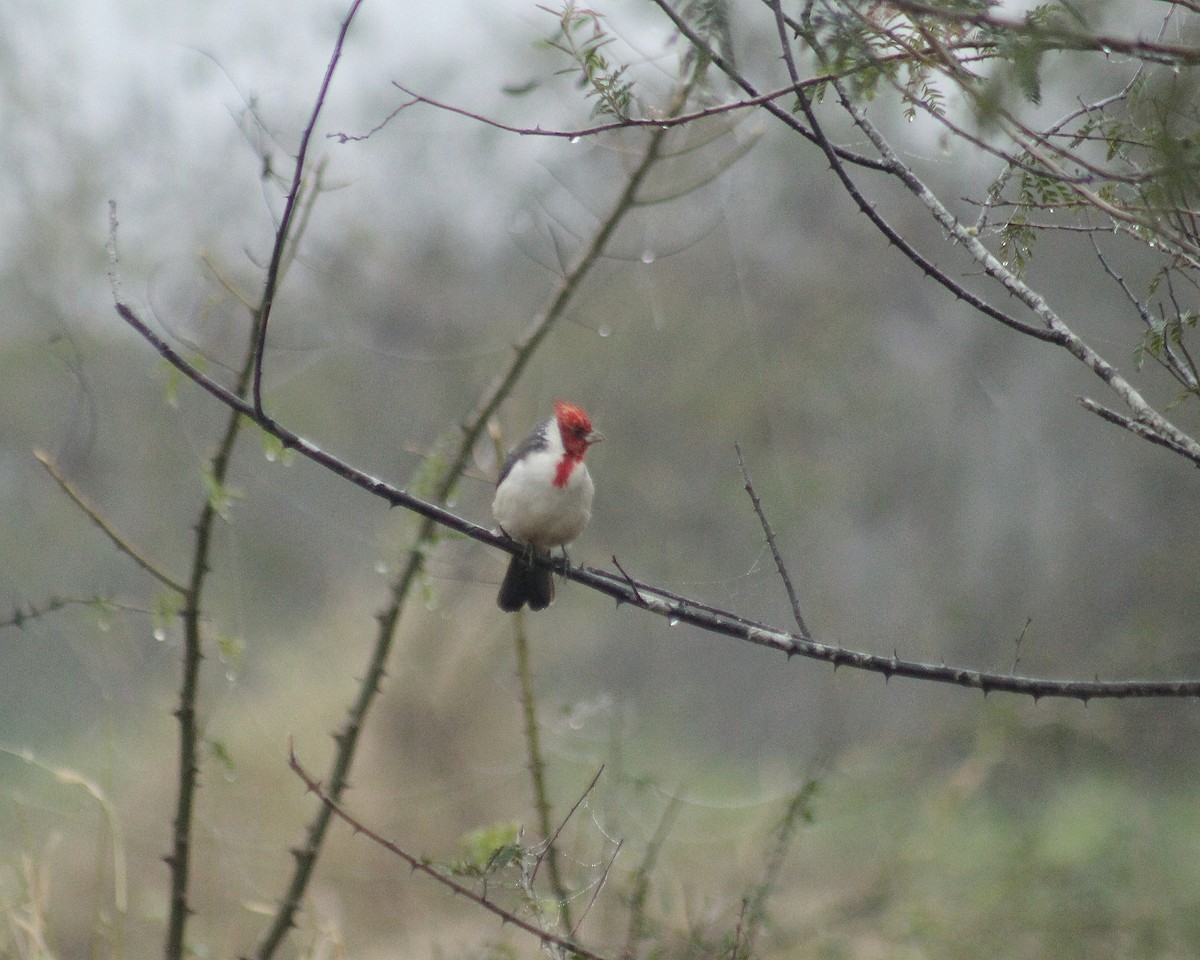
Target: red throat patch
(562,473)
(575,428)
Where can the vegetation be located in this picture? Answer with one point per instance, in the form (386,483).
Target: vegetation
(817,455)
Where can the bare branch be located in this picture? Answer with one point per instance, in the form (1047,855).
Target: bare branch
(669,605)
(419,865)
(770,534)
(285,221)
(835,156)
(537,770)
(22,615)
(93,514)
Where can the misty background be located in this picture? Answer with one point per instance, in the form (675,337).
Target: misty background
(932,481)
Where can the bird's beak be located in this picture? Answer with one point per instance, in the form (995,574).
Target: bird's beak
(594,437)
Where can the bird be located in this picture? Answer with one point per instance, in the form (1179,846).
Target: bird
(544,500)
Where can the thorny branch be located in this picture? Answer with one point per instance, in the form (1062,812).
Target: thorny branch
(661,602)
(471,430)
(419,865)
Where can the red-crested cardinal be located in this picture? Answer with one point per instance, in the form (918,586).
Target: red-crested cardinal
(544,500)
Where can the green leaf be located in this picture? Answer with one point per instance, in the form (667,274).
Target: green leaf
(220,753)
(167,604)
(220,497)
(276,451)
(491,848)
(230,649)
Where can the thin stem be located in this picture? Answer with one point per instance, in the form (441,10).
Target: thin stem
(191,616)
(93,514)
(770,535)
(422,866)
(284,231)
(537,769)
(754,915)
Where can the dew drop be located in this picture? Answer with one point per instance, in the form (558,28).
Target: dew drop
(648,256)
(574,140)
(604,330)
(381,567)
(672,621)
(159,634)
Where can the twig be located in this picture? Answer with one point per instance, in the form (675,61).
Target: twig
(628,579)
(799,810)
(567,819)
(109,531)
(770,534)
(285,221)
(419,865)
(1055,330)
(1052,36)
(537,770)
(837,156)
(1135,427)
(1017,645)
(35,611)
(641,877)
(597,887)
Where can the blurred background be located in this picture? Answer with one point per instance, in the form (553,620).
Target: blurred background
(933,484)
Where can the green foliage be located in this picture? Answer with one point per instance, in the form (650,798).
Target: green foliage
(882,46)
(230,649)
(710,19)
(165,613)
(274,449)
(1036,193)
(489,849)
(221,497)
(582,37)
(219,751)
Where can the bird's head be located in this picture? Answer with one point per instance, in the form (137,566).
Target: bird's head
(575,426)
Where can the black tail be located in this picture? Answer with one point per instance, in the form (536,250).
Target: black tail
(525,583)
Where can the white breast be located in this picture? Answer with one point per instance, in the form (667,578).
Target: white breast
(532,510)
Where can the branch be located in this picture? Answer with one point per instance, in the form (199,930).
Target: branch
(836,155)
(434,515)
(1055,329)
(663,603)
(770,534)
(94,515)
(285,221)
(420,865)
(1054,36)
(35,611)
(537,770)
